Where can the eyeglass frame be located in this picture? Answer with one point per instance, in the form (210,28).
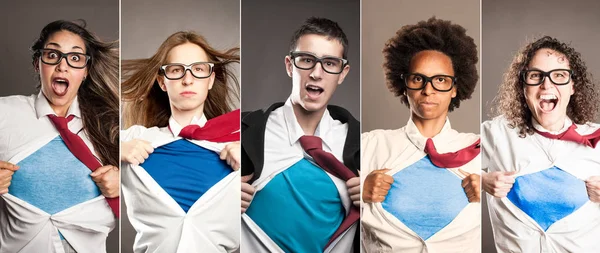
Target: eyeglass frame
(65,56)
(544,75)
(294,54)
(162,69)
(428,79)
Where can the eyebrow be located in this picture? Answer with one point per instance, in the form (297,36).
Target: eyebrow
(324,56)
(57,45)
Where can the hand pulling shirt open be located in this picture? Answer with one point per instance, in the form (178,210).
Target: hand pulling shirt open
(298,205)
(52,195)
(426,208)
(184,198)
(548,208)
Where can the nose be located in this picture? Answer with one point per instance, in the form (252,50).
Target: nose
(428,89)
(62,65)
(546,84)
(317,71)
(188,78)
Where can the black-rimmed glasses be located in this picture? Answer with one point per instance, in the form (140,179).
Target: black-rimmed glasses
(415,81)
(534,77)
(306,61)
(53,57)
(176,71)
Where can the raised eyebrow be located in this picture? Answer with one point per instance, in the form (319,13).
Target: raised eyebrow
(58,47)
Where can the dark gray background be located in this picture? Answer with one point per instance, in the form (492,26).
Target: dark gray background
(23,21)
(267,28)
(145,24)
(381,19)
(509,25)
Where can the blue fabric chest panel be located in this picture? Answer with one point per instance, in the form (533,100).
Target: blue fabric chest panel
(299,209)
(53,179)
(548,195)
(426,198)
(185,170)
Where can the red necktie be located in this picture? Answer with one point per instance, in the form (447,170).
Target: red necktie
(224,128)
(313,145)
(452,159)
(590,140)
(78,148)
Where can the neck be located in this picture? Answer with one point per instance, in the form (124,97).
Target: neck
(429,127)
(554,126)
(60,110)
(184,117)
(308,121)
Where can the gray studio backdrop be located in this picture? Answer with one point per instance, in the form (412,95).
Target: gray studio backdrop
(511,24)
(145,24)
(268,26)
(23,21)
(381,19)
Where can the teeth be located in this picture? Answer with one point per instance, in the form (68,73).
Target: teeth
(548,97)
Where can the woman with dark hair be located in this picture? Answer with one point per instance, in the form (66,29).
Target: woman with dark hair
(542,154)
(181,150)
(421,189)
(49,142)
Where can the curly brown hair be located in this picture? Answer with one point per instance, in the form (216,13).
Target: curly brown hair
(510,101)
(433,34)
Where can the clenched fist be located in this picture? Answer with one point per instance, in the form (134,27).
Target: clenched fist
(376,186)
(135,151)
(498,184)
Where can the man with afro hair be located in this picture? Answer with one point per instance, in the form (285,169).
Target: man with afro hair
(421,189)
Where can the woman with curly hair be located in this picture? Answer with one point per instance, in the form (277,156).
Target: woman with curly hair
(542,153)
(181,150)
(421,192)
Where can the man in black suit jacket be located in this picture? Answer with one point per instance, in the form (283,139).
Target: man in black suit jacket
(271,149)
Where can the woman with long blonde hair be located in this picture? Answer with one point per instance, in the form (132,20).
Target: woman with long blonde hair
(49,142)
(181,147)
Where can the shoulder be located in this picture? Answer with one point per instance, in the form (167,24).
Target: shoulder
(16,102)
(496,124)
(260,115)
(341,114)
(379,135)
(588,128)
(135,132)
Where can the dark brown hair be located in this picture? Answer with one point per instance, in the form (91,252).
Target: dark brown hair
(97,95)
(433,34)
(510,101)
(323,27)
(148,105)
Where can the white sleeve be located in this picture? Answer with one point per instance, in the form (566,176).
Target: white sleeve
(487,144)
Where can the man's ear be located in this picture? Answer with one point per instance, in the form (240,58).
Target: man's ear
(343,74)
(288,65)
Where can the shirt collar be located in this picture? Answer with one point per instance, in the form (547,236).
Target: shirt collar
(540,128)
(415,136)
(295,130)
(43,108)
(176,128)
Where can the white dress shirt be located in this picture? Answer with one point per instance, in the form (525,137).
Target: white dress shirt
(25,128)
(282,150)
(514,230)
(396,150)
(210,225)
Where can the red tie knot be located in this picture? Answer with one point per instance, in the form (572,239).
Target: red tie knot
(430,147)
(310,142)
(188,131)
(60,122)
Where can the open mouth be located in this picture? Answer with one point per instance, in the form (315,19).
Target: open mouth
(60,86)
(313,90)
(548,102)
